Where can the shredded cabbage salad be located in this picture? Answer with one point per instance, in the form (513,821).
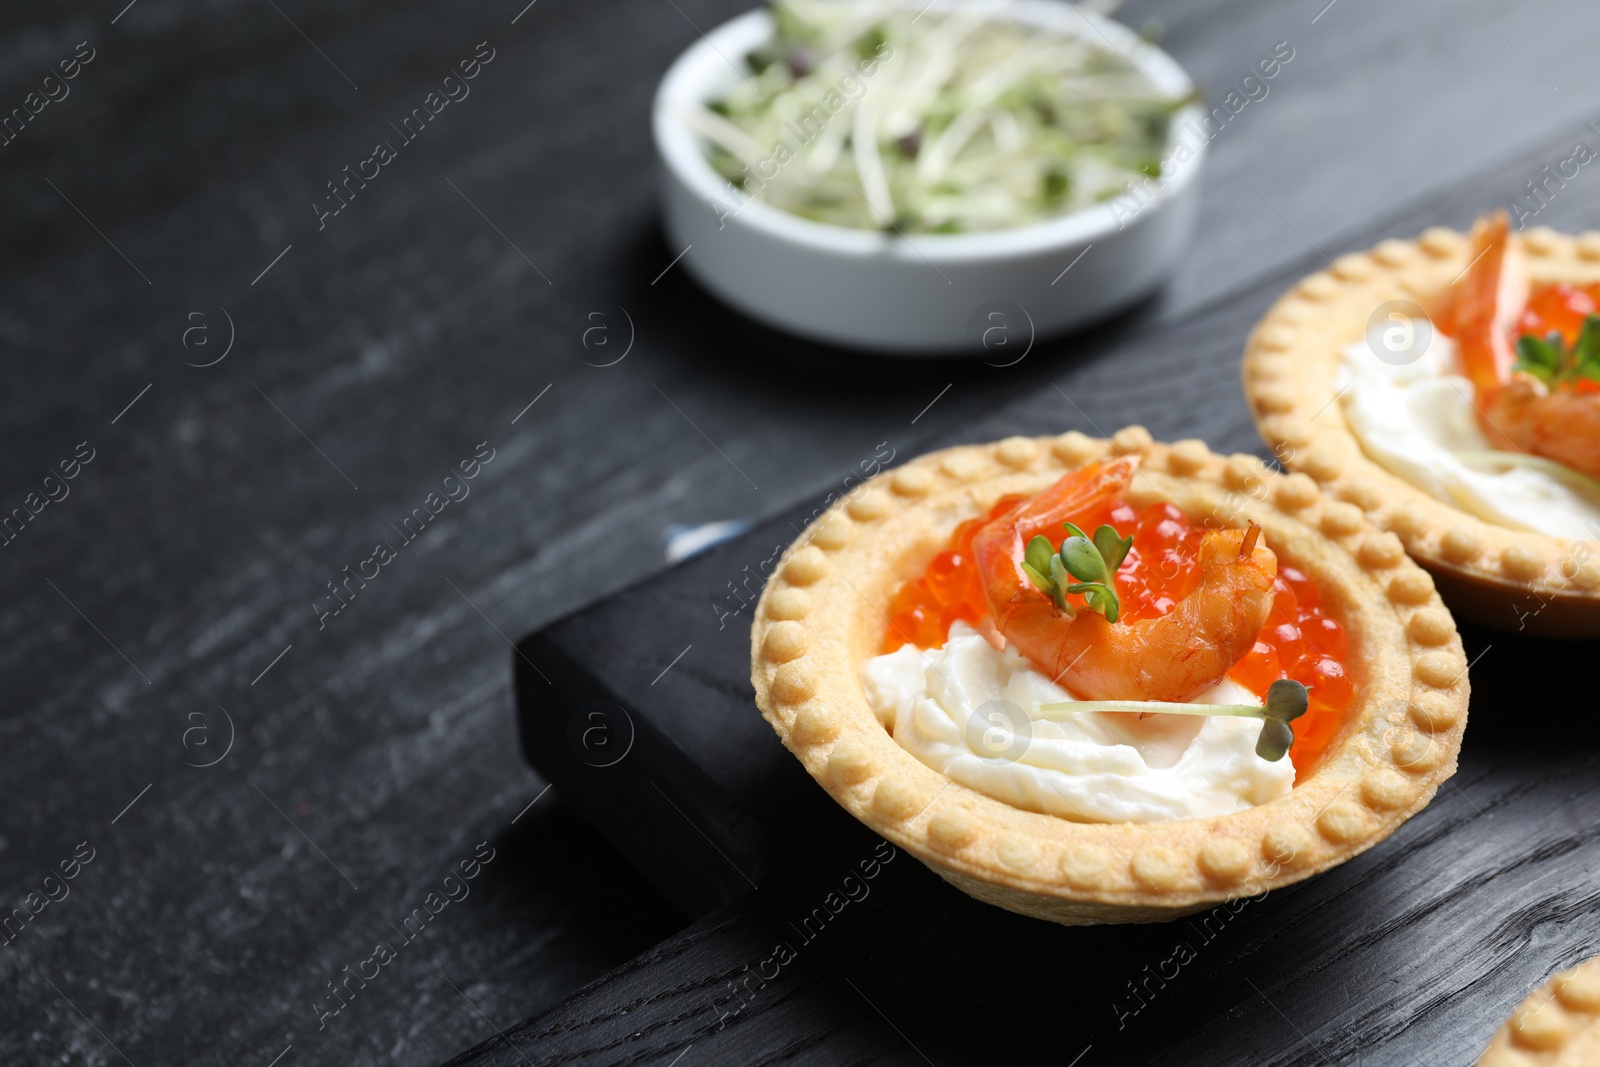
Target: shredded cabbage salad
(875,115)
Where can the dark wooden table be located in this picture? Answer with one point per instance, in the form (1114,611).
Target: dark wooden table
(265,790)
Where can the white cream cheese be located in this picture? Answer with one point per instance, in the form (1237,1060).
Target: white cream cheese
(971,712)
(1417,419)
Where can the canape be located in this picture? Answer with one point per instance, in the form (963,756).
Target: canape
(1450,388)
(1557,1026)
(1110,681)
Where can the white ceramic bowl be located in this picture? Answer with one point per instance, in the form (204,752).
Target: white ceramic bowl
(984,294)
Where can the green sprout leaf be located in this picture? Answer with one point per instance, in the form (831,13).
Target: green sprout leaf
(1044,585)
(1082,559)
(1540,357)
(1550,360)
(1275,739)
(868,44)
(1587,347)
(1038,554)
(1104,600)
(1082,566)
(1286,701)
(1099,597)
(1496,460)
(1109,605)
(1059,580)
(1113,549)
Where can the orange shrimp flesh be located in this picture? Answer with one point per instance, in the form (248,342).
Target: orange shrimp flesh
(1525,415)
(1516,411)
(1487,302)
(1173,657)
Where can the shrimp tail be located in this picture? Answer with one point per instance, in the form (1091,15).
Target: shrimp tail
(1486,302)
(1072,495)
(1251,536)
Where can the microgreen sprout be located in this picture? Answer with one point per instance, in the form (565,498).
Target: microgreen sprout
(1083,564)
(1496,460)
(912,118)
(1286,701)
(1553,363)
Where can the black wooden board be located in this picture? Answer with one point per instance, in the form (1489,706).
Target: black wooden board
(640,711)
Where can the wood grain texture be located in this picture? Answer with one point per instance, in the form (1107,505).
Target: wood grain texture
(395,339)
(1411,953)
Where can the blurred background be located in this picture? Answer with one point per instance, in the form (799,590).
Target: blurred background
(267,388)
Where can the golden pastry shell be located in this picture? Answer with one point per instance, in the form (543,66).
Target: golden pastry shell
(1509,579)
(823,615)
(1557,1026)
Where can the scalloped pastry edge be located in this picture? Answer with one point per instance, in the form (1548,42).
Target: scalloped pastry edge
(1505,578)
(1558,1025)
(821,617)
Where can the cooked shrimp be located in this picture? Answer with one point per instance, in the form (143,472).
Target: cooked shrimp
(1486,303)
(1516,411)
(1173,657)
(1560,424)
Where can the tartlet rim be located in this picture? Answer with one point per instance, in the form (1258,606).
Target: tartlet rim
(1400,743)
(1550,1021)
(1290,368)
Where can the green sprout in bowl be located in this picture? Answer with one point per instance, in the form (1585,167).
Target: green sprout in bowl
(894,117)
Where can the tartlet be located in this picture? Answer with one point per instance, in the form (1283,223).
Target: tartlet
(823,615)
(1557,1026)
(1506,578)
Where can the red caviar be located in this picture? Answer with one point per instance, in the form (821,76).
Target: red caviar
(1561,308)
(1299,640)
